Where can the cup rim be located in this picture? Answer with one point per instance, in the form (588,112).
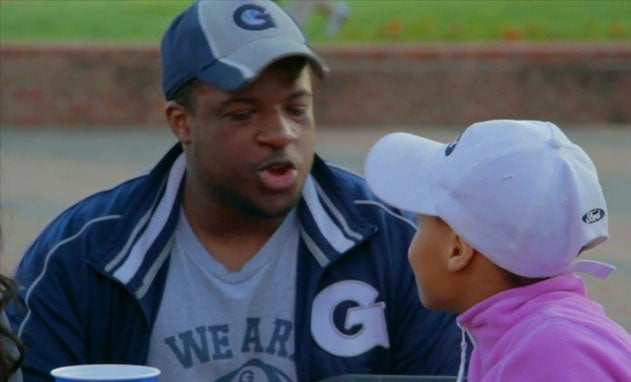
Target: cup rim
(95,372)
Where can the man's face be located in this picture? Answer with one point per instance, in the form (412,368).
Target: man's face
(251,150)
(428,254)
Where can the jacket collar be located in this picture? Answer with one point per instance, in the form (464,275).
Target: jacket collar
(329,220)
(330,223)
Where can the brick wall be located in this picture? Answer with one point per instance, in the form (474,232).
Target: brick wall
(370,85)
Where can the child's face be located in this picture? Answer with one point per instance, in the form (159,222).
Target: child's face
(428,254)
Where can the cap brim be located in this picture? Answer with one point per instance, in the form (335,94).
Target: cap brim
(233,72)
(397,171)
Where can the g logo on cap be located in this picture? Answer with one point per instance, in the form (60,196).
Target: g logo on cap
(253,17)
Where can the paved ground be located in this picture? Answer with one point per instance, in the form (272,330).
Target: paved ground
(44,171)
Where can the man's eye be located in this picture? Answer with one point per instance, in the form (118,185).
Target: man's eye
(240,115)
(297,111)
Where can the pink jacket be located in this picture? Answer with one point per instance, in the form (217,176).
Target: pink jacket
(548,331)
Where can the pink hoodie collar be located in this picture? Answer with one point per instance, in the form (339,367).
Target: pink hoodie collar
(488,320)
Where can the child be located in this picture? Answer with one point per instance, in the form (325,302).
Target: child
(504,211)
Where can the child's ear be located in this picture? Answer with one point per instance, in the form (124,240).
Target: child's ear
(461,255)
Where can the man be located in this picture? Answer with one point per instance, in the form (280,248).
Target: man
(241,254)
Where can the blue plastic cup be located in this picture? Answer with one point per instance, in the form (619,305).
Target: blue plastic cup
(106,373)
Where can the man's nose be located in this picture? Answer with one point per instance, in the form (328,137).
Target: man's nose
(277,130)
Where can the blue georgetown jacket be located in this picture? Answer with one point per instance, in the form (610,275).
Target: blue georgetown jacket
(93,281)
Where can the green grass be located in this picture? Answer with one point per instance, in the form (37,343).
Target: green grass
(143,21)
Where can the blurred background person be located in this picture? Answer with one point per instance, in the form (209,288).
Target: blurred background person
(336,11)
(11,349)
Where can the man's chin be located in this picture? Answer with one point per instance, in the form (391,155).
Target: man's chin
(276,205)
(273,211)
(270,207)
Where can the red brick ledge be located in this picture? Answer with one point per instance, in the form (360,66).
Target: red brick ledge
(391,84)
(361,51)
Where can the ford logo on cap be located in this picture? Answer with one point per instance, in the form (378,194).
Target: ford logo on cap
(594,215)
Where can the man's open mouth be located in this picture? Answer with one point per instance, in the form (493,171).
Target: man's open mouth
(278,175)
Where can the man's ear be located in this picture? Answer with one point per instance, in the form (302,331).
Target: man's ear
(179,121)
(461,255)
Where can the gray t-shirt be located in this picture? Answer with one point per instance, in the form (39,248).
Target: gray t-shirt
(216,325)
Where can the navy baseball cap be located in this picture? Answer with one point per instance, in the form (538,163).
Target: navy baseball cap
(227,44)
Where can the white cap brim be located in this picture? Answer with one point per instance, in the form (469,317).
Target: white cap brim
(397,170)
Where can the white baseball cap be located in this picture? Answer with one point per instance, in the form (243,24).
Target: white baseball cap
(519,192)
